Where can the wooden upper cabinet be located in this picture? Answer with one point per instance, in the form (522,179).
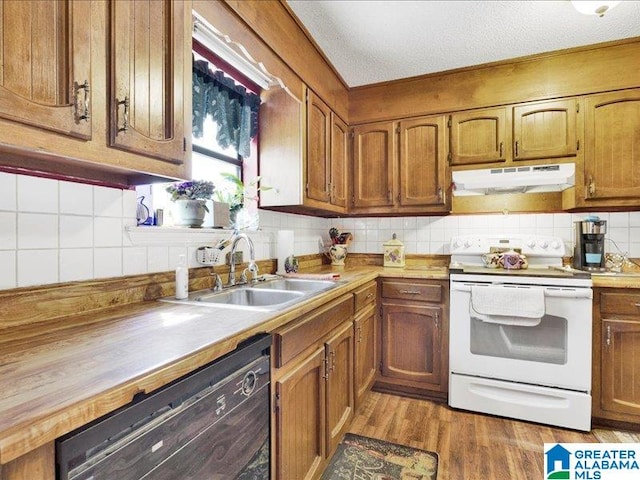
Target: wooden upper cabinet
(339,161)
(612,147)
(545,130)
(147,78)
(318,148)
(478,136)
(374,161)
(45,65)
(423,163)
(327,156)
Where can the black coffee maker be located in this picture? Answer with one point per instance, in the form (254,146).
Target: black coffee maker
(589,244)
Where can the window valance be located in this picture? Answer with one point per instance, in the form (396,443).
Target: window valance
(230,105)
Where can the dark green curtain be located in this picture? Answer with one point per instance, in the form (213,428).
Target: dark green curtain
(231,106)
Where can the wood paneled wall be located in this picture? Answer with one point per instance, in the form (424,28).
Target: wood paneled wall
(578,71)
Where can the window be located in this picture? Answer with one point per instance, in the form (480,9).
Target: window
(222,96)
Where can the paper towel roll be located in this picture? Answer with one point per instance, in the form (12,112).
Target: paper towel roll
(284,248)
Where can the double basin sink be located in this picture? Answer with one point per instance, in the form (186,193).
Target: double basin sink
(262,295)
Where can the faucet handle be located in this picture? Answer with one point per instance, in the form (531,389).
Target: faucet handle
(243,276)
(217,282)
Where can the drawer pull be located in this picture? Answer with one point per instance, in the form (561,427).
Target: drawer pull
(410,292)
(125,115)
(638,305)
(370,295)
(81,107)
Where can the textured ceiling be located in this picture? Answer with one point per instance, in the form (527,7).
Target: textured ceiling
(375,41)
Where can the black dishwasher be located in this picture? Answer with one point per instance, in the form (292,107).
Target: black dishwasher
(210,424)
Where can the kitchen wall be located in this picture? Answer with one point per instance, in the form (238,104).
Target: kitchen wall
(57,231)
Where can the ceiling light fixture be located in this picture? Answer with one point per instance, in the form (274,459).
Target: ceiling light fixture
(590,7)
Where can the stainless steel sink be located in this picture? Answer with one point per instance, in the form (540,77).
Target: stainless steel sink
(297,284)
(251,297)
(269,295)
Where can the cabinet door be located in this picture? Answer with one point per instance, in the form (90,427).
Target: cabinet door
(147,78)
(411,343)
(612,146)
(366,363)
(318,148)
(339,161)
(300,419)
(545,130)
(620,376)
(45,65)
(340,409)
(479,136)
(423,161)
(373,165)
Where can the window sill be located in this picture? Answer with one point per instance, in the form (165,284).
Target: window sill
(152,235)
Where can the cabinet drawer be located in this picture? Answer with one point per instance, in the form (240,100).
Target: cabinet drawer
(300,334)
(364,296)
(620,303)
(412,291)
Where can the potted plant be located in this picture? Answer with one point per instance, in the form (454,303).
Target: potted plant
(237,195)
(189,200)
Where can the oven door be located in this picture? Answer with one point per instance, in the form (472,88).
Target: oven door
(556,352)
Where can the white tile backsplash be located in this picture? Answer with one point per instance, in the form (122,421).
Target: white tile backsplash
(8,195)
(76,264)
(76,198)
(8,231)
(37,230)
(37,194)
(8,271)
(68,231)
(37,267)
(107,202)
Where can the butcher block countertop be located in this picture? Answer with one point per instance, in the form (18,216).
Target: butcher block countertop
(58,375)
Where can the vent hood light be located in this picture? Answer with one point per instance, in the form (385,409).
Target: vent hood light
(525,179)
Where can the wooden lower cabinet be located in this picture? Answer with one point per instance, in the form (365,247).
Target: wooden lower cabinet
(414,338)
(616,355)
(300,419)
(366,360)
(37,464)
(314,406)
(340,404)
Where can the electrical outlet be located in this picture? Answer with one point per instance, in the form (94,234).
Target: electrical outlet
(238,258)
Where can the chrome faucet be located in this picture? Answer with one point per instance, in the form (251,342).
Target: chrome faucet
(252,267)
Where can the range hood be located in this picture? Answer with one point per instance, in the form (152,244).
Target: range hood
(521,179)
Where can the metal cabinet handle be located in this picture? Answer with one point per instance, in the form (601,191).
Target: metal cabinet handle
(359,334)
(436,320)
(501,145)
(81,112)
(325,361)
(332,361)
(125,116)
(410,292)
(390,196)
(516,148)
(370,295)
(638,305)
(591,187)
(440,195)
(608,341)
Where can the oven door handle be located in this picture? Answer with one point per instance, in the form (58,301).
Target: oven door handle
(548,292)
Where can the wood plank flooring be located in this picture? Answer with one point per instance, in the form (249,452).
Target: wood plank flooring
(470,446)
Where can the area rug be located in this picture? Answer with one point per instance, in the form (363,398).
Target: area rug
(360,458)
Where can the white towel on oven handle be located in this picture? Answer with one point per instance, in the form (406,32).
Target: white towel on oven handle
(508,306)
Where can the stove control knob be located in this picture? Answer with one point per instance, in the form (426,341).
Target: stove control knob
(555,245)
(544,244)
(531,243)
(457,243)
(468,243)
